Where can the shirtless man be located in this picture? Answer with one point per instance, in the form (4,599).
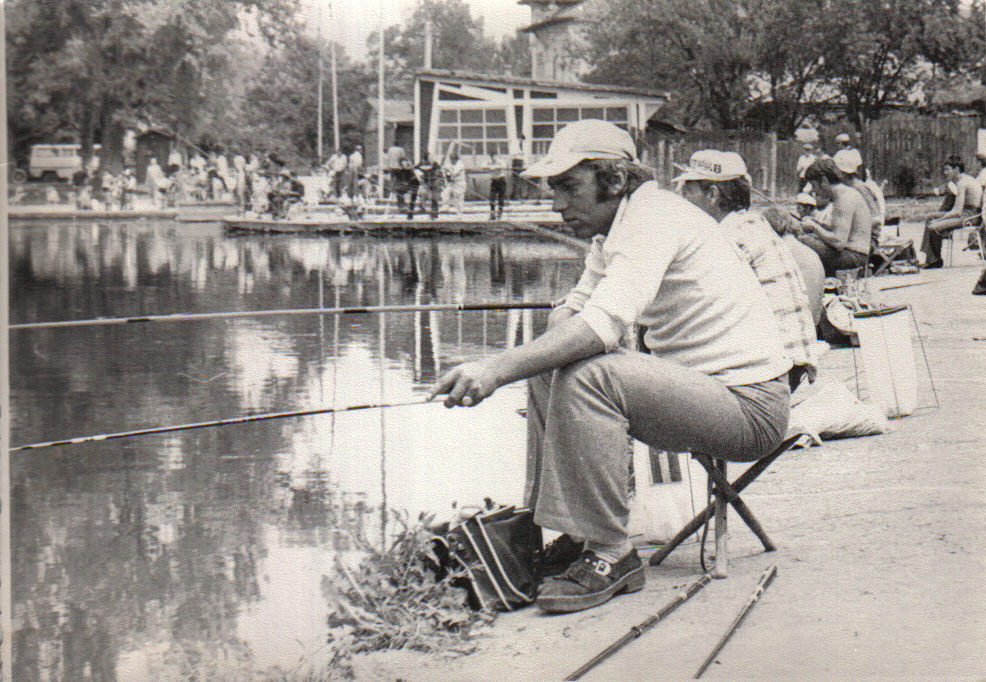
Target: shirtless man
(967,202)
(846,243)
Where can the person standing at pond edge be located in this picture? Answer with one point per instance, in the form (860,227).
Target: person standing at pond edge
(714,381)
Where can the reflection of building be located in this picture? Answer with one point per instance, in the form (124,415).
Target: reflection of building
(555,30)
(498,114)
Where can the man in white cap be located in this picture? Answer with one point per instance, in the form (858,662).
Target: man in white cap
(845,142)
(845,244)
(714,381)
(724,193)
(807,157)
(849,161)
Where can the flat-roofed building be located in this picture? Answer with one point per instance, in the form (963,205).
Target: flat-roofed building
(516,116)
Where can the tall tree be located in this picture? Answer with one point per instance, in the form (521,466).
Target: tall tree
(458,43)
(879,52)
(780,58)
(94,66)
(702,51)
(280,108)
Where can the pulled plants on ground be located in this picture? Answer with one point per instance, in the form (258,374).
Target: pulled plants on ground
(394,599)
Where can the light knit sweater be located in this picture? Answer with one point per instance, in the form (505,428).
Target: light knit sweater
(666,266)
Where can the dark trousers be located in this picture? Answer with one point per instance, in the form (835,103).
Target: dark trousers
(432,191)
(498,193)
(833,259)
(935,229)
(401,192)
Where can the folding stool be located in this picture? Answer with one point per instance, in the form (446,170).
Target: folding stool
(725,494)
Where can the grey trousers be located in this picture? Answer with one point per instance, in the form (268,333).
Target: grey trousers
(579,416)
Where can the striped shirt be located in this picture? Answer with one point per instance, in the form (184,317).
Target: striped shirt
(781,280)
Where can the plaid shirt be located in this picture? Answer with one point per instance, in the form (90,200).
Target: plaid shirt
(781,280)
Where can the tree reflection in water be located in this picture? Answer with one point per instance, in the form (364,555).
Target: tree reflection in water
(202,552)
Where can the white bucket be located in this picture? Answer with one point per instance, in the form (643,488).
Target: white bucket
(888,358)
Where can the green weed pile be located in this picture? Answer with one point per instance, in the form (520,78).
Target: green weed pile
(393,600)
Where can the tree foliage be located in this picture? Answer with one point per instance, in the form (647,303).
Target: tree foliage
(728,61)
(87,68)
(280,109)
(458,43)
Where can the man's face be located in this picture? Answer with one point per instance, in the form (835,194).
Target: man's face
(822,191)
(576,197)
(694,193)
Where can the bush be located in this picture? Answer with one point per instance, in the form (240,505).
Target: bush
(904,181)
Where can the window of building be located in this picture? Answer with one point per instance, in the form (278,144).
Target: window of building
(478,132)
(547,121)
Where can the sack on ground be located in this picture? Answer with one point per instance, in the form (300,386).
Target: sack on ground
(495,550)
(829,410)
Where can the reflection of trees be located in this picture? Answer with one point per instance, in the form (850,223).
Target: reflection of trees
(124,543)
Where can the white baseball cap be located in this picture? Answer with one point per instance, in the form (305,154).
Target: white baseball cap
(805,198)
(847,160)
(580,141)
(842,137)
(712,164)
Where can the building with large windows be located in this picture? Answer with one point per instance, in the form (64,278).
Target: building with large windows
(510,115)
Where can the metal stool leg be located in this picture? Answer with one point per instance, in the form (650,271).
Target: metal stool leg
(730,496)
(721,568)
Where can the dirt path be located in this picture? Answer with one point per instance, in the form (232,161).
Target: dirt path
(881,559)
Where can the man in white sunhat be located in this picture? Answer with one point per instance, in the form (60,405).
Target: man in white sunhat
(714,379)
(845,243)
(849,161)
(724,193)
(807,157)
(845,142)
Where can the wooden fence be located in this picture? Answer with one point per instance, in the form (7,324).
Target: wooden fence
(920,143)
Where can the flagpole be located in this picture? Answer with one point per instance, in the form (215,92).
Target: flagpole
(321,68)
(335,85)
(380,118)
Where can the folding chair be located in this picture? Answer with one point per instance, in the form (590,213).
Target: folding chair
(975,222)
(888,251)
(725,494)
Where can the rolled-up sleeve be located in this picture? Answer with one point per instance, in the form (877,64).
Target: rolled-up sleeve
(595,269)
(636,253)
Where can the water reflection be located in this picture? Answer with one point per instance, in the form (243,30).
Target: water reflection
(199,551)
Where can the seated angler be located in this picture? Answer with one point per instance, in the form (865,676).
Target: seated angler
(964,203)
(713,379)
(845,244)
(724,193)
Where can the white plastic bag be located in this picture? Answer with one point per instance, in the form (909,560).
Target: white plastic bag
(828,410)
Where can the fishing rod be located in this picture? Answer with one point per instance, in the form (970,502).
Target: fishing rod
(560,236)
(180,317)
(762,585)
(637,630)
(218,422)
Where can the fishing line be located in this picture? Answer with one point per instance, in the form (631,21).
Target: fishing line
(218,422)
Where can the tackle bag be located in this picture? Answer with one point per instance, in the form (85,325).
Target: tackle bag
(496,551)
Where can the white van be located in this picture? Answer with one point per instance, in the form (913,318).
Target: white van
(61,160)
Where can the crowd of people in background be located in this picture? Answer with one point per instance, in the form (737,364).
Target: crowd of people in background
(841,210)
(263,184)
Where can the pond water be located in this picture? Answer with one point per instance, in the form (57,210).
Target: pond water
(204,551)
